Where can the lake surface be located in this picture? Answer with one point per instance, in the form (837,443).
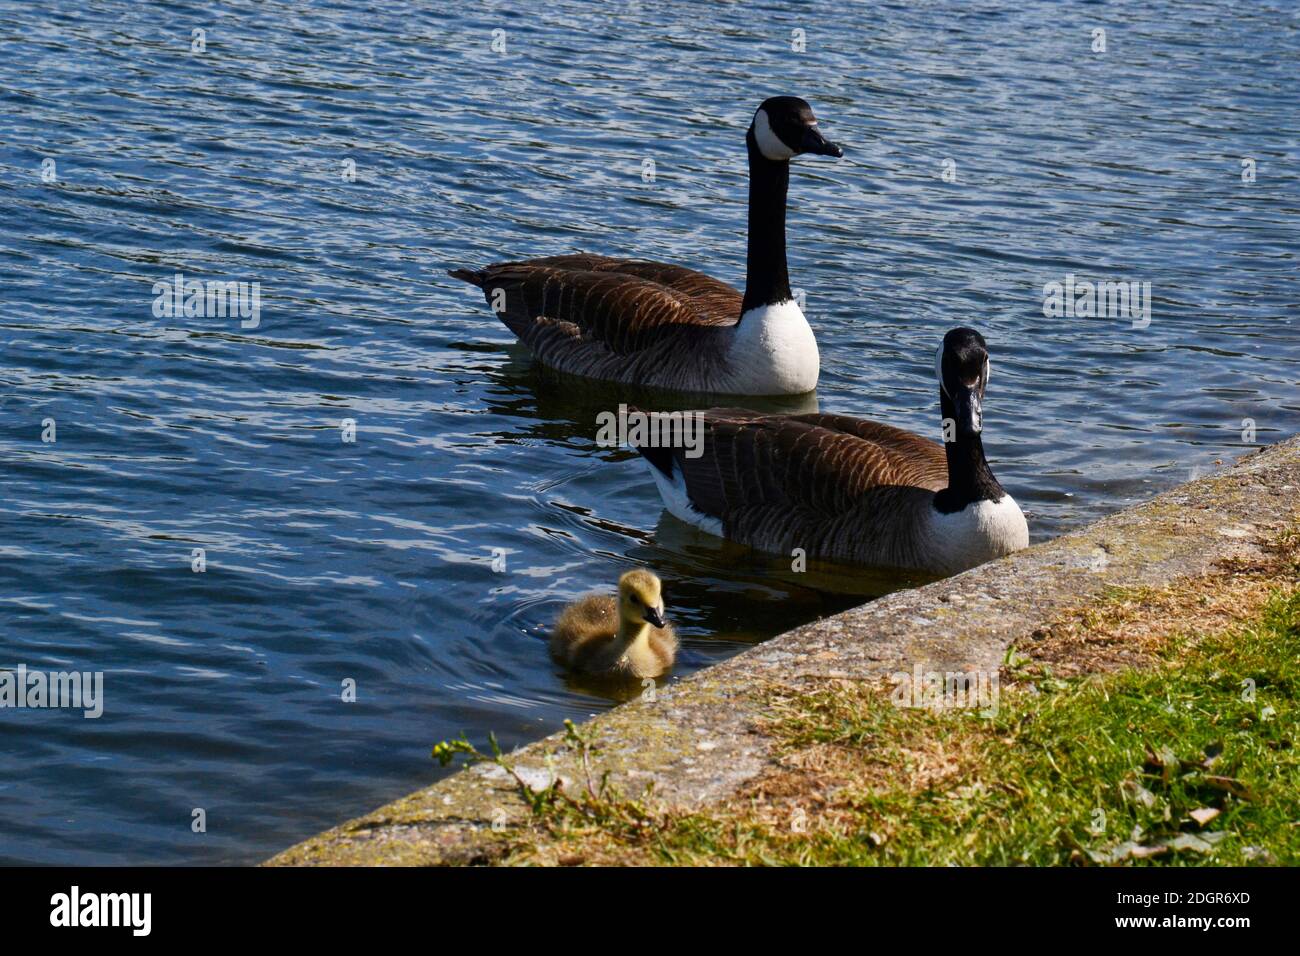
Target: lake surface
(372,561)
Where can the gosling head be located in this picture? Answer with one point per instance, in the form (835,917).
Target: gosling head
(962,367)
(640,599)
(784,127)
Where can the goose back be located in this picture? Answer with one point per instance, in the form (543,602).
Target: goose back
(835,486)
(616,319)
(717,303)
(588,629)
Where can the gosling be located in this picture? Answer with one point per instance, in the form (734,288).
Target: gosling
(627,637)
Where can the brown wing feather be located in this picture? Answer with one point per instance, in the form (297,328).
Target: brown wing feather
(719,302)
(826,483)
(821,462)
(626,305)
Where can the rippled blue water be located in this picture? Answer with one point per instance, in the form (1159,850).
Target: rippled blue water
(371,560)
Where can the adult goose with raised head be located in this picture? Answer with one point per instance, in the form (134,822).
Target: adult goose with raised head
(666,326)
(849,489)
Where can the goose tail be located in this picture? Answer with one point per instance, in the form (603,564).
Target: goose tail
(670,479)
(660,458)
(474,277)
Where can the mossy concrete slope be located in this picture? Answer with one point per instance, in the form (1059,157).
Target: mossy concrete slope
(697,742)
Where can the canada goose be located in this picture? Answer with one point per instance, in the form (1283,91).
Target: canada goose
(848,489)
(647,323)
(627,637)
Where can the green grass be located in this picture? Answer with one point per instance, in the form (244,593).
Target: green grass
(1090,770)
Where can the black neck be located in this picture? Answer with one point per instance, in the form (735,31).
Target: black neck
(969,477)
(766,278)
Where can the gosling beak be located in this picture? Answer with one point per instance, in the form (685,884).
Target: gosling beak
(815,142)
(654,616)
(970,412)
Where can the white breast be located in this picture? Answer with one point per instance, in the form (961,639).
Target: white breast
(773,352)
(980,532)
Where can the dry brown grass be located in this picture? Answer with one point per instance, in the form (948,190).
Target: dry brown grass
(1135,627)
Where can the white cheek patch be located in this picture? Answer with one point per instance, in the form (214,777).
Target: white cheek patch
(769,144)
(938,369)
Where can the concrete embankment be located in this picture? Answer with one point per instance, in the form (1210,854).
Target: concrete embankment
(696,742)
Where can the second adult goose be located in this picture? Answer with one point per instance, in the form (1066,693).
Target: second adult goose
(853,490)
(665,326)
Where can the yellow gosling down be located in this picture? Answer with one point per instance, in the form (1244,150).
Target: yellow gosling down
(623,637)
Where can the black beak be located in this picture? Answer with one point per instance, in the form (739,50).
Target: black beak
(653,616)
(815,142)
(970,411)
